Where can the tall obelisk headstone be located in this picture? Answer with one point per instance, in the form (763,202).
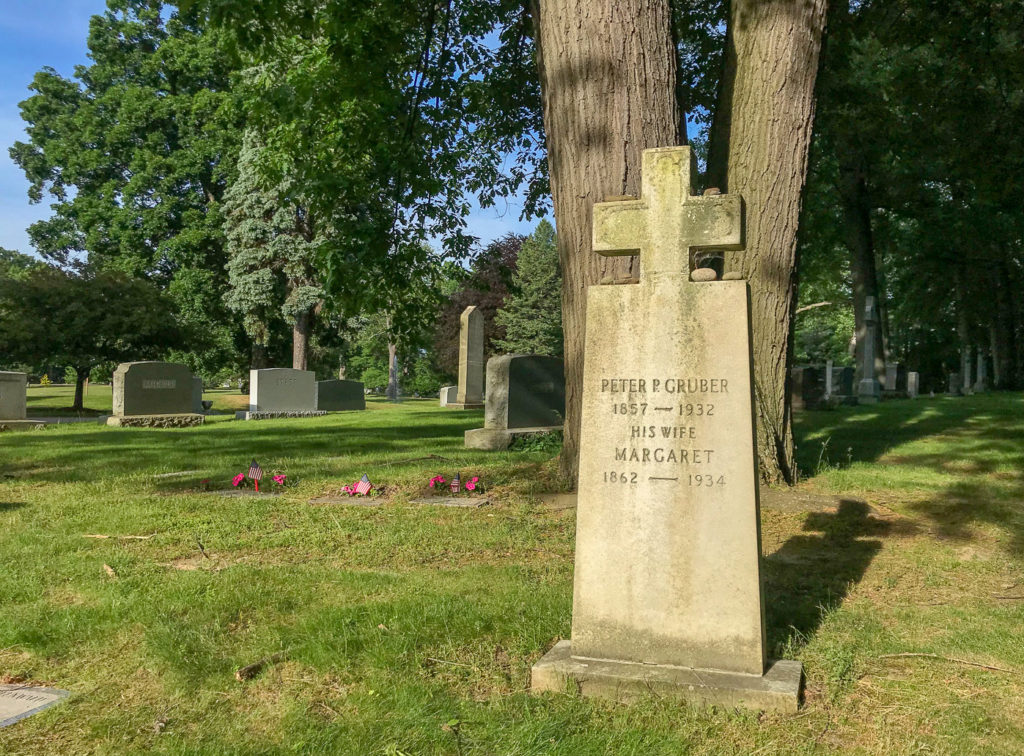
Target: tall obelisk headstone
(667,589)
(471,361)
(868,390)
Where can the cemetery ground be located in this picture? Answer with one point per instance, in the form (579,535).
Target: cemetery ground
(894,571)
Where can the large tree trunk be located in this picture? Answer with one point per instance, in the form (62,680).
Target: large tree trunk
(301,331)
(1004,343)
(608,77)
(859,238)
(760,139)
(81,376)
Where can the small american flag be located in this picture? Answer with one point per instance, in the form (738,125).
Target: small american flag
(364,486)
(255,471)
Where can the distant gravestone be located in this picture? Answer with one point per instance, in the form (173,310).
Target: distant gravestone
(340,396)
(471,361)
(981,381)
(281,392)
(154,395)
(525,396)
(449,395)
(842,381)
(12,395)
(667,594)
(954,386)
(913,384)
(20,701)
(868,391)
(807,388)
(895,380)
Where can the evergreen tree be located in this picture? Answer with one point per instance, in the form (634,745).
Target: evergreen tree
(271,248)
(532,313)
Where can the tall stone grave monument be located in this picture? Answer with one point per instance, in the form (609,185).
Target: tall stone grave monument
(667,595)
(281,392)
(471,361)
(913,384)
(525,397)
(12,395)
(154,395)
(981,381)
(868,390)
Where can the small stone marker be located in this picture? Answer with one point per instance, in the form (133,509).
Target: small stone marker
(913,384)
(340,396)
(471,361)
(449,395)
(868,391)
(12,395)
(20,701)
(154,395)
(525,396)
(807,388)
(281,392)
(668,593)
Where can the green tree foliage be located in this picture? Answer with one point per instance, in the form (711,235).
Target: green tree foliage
(81,320)
(15,264)
(486,286)
(532,312)
(136,150)
(271,266)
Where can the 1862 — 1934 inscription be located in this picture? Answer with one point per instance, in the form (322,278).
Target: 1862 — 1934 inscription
(667,587)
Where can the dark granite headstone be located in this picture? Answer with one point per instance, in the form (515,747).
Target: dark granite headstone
(340,396)
(524,391)
(807,387)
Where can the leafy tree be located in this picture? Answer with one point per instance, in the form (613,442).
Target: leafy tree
(532,312)
(15,264)
(84,319)
(136,151)
(271,270)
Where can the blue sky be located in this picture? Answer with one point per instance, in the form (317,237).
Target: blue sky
(37,33)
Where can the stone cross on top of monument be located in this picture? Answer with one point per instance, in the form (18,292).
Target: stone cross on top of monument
(668,223)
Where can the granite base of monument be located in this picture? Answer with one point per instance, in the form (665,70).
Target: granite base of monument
(488,439)
(247,415)
(465,405)
(189,420)
(778,689)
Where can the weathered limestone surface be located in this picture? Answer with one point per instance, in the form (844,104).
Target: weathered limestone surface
(152,388)
(471,361)
(340,396)
(277,390)
(12,395)
(525,396)
(668,549)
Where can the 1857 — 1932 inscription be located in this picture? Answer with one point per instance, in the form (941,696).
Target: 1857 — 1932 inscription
(665,417)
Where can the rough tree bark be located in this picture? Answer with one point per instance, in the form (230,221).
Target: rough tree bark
(392,390)
(859,239)
(760,138)
(608,79)
(301,330)
(81,376)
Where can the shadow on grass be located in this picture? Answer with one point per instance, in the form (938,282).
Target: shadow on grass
(971,455)
(811,574)
(10,506)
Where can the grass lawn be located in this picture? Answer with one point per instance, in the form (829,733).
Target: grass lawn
(411,629)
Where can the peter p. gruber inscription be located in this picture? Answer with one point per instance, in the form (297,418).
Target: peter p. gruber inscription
(667,588)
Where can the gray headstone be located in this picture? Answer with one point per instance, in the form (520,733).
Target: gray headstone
(842,381)
(449,395)
(153,388)
(524,391)
(282,390)
(667,582)
(981,381)
(955,384)
(340,396)
(829,384)
(12,395)
(913,385)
